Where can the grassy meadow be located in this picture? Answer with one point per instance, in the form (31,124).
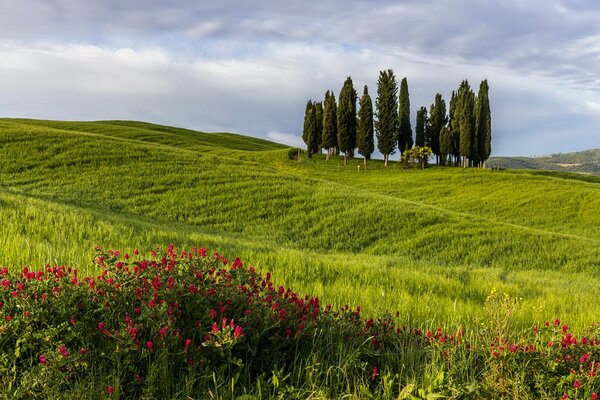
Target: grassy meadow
(469,260)
(429,243)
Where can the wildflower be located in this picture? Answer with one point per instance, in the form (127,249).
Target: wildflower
(82,351)
(8,317)
(101,326)
(149,345)
(238,331)
(215,328)
(42,359)
(374,373)
(110,389)
(63,351)
(594,396)
(576,384)
(187,344)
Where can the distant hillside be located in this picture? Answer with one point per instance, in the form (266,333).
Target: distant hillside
(587,161)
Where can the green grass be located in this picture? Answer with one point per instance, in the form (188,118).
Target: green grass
(430,243)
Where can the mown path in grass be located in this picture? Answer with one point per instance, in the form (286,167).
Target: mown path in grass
(429,243)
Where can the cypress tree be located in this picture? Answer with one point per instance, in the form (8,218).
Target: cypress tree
(386,106)
(453,127)
(405,140)
(306,131)
(319,123)
(364,130)
(346,119)
(420,127)
(445,144)
(466,122)
(329,124)
(309,134)
(437,120)
(483,123)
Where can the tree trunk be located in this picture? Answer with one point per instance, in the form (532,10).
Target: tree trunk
(385,159)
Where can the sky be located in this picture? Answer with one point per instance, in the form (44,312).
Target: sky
(250,66)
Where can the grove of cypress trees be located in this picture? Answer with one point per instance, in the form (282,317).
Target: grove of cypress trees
(364,131)
(437,120)
(420,127)
(329,140)
(346,119)
(405,140)
(386,106)
(483,123)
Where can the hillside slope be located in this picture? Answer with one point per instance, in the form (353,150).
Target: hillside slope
(381,238)
(587,162)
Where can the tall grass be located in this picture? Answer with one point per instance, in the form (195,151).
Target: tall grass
(431,244)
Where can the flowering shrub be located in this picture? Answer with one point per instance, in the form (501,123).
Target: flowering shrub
(190,323)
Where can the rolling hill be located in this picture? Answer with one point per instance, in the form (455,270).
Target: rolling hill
(430,243)
(585,162)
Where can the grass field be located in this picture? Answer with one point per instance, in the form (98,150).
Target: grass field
(430,243)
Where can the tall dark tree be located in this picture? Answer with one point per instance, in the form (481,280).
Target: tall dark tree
(386,106)
(437,120)
(445,144)
(329,140)
(309,133)
(454,127)
(319,137)
(421,127)
(364,130)
(483,123)
(466,123)
(405,140)
(346,119)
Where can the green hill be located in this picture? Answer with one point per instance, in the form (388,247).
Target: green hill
(585,162)
(430,243)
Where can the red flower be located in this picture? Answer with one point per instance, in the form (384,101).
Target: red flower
(149,345)
(110,389)
(8,317)
(238,331)
(374,373)
(42,359)
(594,396)
(215,328)
(101,326)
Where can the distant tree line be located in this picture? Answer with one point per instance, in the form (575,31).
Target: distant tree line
(460,135)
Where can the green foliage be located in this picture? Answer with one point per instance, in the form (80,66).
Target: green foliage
(386,106)
(329,122)
(483,123)
(417,154)
(445,144)
(319,126)
(310,133)
(421,127)
(364,131)
(437,121)
(405,139)
(346,119)
(466,123)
